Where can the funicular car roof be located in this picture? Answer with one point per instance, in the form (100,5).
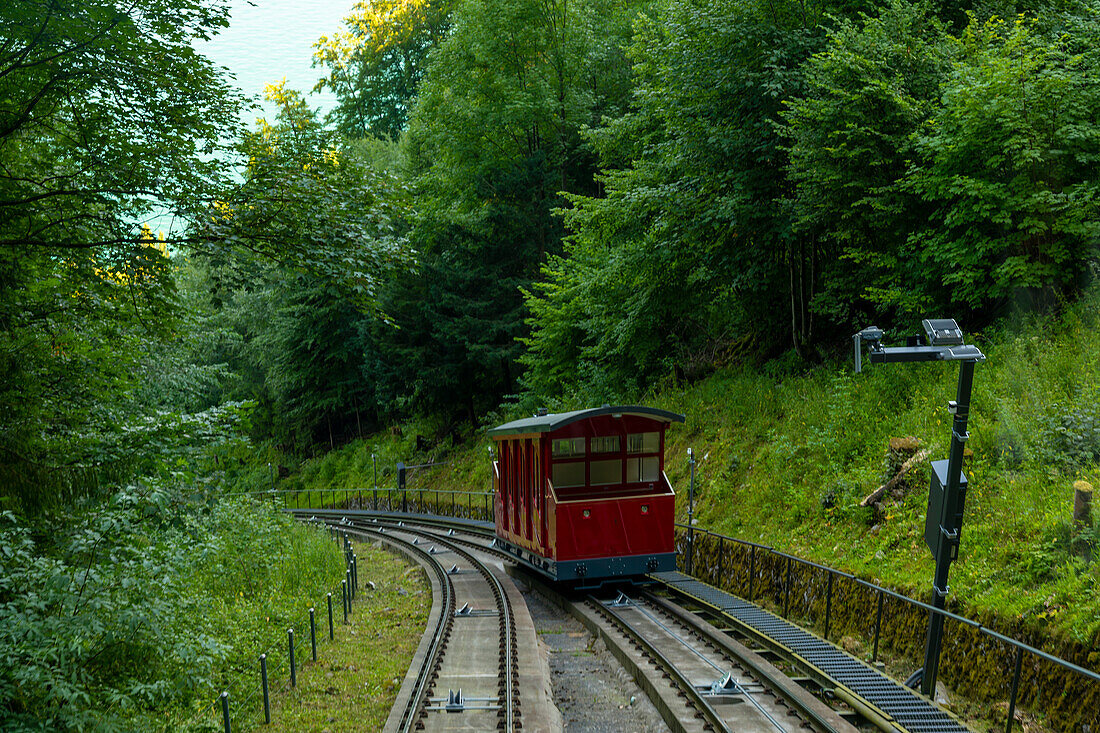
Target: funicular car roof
(552,421)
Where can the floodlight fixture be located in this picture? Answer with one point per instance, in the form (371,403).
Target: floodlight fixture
(872,335)
(942,332)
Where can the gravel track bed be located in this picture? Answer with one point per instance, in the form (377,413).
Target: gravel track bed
(591,690)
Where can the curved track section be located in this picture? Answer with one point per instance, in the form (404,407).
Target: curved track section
(698,677)
(465,675)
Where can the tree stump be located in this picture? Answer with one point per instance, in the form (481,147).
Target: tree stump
(1082,517)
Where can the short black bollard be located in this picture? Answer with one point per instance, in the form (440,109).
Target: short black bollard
(263,682)
(351,590)
(313,633)
(330,634)
(344,586)
(293,670)
(225,712)
(355,572)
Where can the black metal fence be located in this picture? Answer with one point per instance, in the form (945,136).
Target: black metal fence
(984,663)
(458,504)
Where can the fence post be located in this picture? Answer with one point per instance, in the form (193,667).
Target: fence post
(401,486)
(293,670)
(225,712)
(752,569)
(878,625)
(355,572)
(828,606)
(330,633)
(691,516)
(787,590)
(344,585)
(263,683)
(1015,689)
(313,633)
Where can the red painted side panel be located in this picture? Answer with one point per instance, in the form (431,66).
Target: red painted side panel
(614,527)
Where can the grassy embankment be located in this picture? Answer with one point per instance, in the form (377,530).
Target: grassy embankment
(787,453)
(355,681)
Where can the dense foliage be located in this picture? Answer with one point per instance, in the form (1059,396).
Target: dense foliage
(678,185)
(516,202)
(135,616)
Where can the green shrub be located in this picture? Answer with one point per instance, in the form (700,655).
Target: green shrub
(1071,433)
(142,610)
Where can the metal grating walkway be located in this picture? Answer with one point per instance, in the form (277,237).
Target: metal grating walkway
(909,710)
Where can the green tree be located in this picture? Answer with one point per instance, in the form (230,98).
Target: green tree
(336,226)
(686,251)
(307,205)
(493,138)
(1010,164)
(107,116)
(375,66)
(851,141)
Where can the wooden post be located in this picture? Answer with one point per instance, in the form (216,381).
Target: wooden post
(1082,516)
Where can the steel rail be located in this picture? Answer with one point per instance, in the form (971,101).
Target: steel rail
(709,714)
(508,634)
(778,683)
(672,633)
(443,623)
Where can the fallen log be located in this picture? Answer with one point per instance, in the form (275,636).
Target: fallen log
(875,496)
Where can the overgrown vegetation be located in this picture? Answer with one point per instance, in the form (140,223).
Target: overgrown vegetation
(522,203)
(802,445)
(138,614)
(355,682)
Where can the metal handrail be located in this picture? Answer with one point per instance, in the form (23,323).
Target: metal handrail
(912,601)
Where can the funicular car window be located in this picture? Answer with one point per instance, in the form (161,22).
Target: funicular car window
(643,443)
(640,470)
(567,447)
(606,472)
(606,444)
(566,475)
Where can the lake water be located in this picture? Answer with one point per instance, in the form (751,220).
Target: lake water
(267,40)
(270,39)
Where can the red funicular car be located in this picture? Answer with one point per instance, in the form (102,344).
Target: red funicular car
(583,496)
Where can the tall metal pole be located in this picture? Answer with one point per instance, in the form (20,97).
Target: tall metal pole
(691,514)
(948,533)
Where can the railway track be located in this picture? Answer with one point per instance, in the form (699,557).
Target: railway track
(697,677)
(468,663)
(702,679)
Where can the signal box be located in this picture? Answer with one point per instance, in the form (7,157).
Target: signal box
(950,516)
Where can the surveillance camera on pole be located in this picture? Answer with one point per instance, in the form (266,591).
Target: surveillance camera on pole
(942,341)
